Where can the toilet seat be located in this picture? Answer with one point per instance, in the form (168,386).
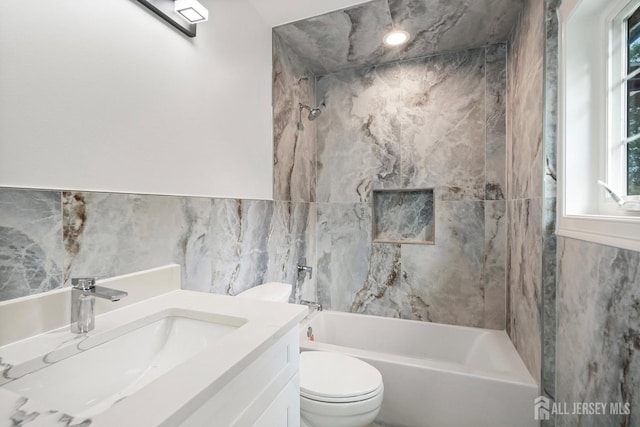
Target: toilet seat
(337,378)
(351,399)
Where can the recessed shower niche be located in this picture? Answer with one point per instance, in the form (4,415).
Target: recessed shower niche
(403,216)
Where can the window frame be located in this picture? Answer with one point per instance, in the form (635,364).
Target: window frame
(585,210)
(616,171)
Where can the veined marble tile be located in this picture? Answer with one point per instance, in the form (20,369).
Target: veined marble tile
(495,160)
(443,124)
(307,288)
(349,38)
(294,172)
(354,274)
(549,249)
(525,86)
(239,244)
(291,238)
(224,246)
(551,97)
(107,234)
(344,246)
(381,293)
(453,281)
(432,114)
(598,353)
(444,281)
(549,316)
(353,37)
(358,133)
(402,216)
(257,241)
(524,280)
(31,254)
(494,266)
(195,243)
(446,25)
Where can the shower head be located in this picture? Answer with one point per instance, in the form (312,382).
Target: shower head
(313,114)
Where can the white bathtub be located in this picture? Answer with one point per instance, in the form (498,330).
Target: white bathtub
(434,375)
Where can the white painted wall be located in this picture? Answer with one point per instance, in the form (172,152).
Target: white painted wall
(104,96)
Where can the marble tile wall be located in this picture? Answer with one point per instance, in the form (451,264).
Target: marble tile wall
(407,125)
(31,249)
(525,202)
(598,345)
(353,38)
(294,150)
(549,239)
(403,216)
(224,246)
(525,67)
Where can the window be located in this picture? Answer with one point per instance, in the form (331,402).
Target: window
(632,78)
(623,166)
(599,121)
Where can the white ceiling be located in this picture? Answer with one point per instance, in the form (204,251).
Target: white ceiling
(278,12)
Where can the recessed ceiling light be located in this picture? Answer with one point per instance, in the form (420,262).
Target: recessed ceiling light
(396,38)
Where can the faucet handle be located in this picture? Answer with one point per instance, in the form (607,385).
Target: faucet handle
(304,269)
(84,283)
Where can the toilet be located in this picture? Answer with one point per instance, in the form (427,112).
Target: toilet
(271,291)
(336,390)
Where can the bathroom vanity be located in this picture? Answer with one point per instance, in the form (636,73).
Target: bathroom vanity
(165,357)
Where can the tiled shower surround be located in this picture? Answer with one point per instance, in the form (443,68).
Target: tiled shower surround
(436,122)
(414,124)
(223,245)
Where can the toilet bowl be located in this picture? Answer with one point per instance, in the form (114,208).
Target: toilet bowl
(336,390)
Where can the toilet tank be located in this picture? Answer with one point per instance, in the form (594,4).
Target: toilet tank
(272,291)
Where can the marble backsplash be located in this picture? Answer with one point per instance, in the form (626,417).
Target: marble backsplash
(435,122)
(31,246)
(223,245)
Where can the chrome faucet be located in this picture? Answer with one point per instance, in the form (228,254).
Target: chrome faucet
(304,269)
(83,293)
(311,304)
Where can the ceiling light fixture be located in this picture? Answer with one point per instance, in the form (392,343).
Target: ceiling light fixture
(396,38)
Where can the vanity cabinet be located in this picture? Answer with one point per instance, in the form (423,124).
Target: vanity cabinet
(265,394)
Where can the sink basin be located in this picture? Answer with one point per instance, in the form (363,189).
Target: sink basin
(103,372)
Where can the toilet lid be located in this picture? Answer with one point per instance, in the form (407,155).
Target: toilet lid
(271,291)
(335,377)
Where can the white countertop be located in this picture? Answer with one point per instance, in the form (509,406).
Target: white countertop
(170,398)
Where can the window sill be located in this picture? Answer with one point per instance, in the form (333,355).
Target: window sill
(618,231)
